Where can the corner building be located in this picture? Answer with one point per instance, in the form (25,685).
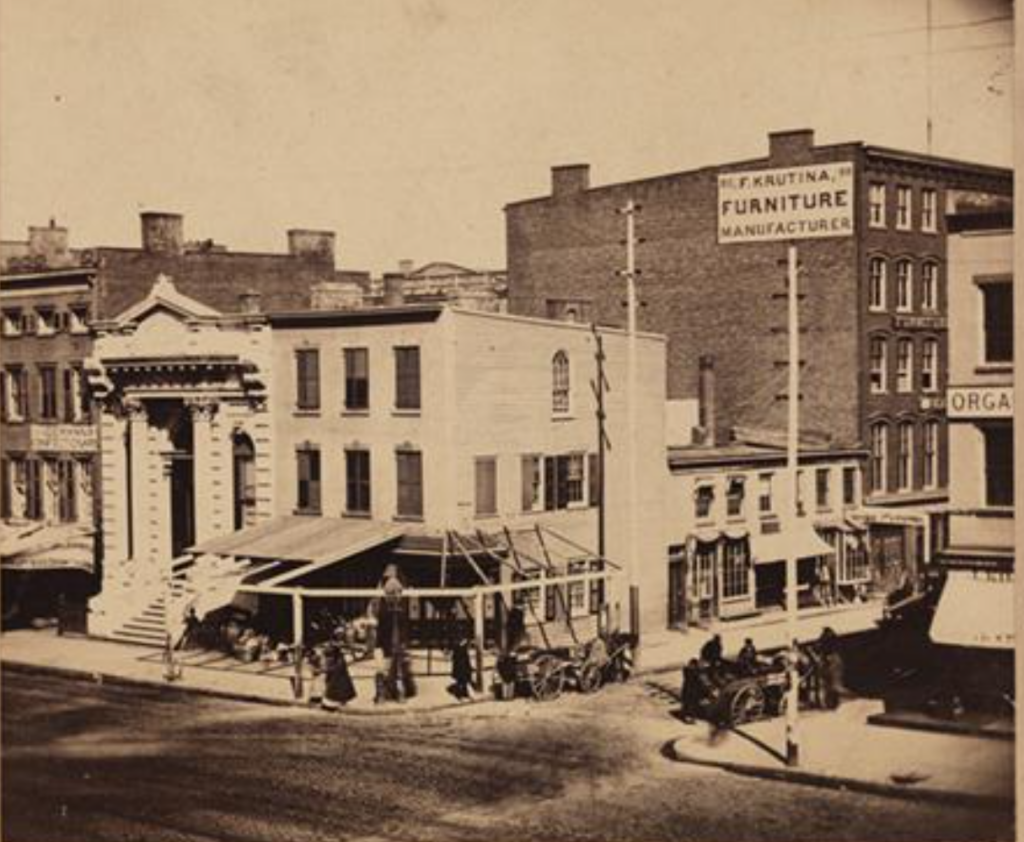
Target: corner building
(873,308)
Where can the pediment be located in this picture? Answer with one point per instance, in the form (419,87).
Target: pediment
(164,302)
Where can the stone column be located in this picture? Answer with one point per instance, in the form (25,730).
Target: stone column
(203,476)
(138,538)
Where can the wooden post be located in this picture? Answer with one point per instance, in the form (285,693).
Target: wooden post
(298,623)
(478,635)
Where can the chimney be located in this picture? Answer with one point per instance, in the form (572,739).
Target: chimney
(569,179)
(406,267)
(49,243)
(249,301)
(394,294)
(790,147)
(163,233)
(311,245)
(706,419)
(336,295)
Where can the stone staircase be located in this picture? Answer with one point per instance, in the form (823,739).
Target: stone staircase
(145,623)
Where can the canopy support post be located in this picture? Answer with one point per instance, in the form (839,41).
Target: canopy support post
(478,635)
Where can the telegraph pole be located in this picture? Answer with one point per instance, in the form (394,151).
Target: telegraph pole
(792,455)
(630,210)
(600,386)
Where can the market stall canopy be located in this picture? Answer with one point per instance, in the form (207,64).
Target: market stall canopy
(776,546)
(36,546)
(975,610)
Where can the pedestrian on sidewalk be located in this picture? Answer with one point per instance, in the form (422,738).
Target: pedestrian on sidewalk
(711,653)
(338,687)
(692,692)
(462,670)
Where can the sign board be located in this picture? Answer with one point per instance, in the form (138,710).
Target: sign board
(979,402)
(919,322)
(68,438)
(787,203)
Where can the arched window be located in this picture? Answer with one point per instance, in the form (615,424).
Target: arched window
(560,383)
(930,286)
(244,471)
(879,453)
(931,453)
(905,462)
(904,286)
(876,283)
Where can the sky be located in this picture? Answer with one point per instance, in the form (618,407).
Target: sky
(407,125)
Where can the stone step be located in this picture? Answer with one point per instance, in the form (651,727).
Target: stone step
(151,639)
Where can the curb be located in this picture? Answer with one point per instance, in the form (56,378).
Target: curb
(819,779)
(232,695)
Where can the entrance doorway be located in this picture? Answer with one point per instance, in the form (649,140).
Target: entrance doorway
(183,521)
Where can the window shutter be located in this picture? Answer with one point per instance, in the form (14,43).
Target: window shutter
(550,481)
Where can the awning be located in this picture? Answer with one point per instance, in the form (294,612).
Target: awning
(313,540)
(38,546)
(975,610)
(776,546)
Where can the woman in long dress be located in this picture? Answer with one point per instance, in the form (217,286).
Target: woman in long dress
(339,689)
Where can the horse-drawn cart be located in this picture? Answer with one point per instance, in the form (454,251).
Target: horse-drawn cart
(544,673)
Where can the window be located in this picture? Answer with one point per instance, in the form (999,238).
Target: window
(904,286)
(532,477)
(929,210)
(410,483)
(930,478)
(704,499)
(33,489)
(849,486)
(821,488)
(854,565)
(486,469)
(903,202)
(569,309)
(905,365)
(407,378)
(357,481)
(74,400)
(78,318)
(998,464)
(308,463)
(6,509)
(357,378)
(563,481)
(243,468)
(876,204)
(736,570)
(16,393)
(577,591)
(28,323)
(734,494)
(560,384)
(879,453)
(48,393)
(46,321)
(527,598)
(307,379)
(11,324)
(764,496)
(905,456)
(997,298)
(930,365)
(593,480)
(800,496)
(877,365)
(876,283)
(930,287)
(596,587)
(66,496)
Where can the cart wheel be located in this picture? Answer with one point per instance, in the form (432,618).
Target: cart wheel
(590,678)
(747,704)
(547,678)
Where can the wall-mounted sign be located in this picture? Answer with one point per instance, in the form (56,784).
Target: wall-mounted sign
(919,322)
(789,203)
(979,401)
(933,402)
(69,438)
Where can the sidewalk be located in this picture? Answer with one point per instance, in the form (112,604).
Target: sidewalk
(841,749)
(101,660)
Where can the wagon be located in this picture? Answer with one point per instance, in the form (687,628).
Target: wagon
(544,673)
(737,695)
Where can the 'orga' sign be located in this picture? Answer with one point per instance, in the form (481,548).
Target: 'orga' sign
(979,402)
(791,203)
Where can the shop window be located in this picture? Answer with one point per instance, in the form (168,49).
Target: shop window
(532,479)
(905,365)
(904,286)
(998,464)
(905,456)
(876,284)
(308,464)
(904,202)
(357,379)
(854,565)
(877,364)
(734,496)
(930,365)
(704,498)
(560,393)
(764,496)
(48,393)
(876,205)
(997,298)
(929,210)
(736,570)
(930,287)
(486,472)
(879,456)
(410,483)
(849,486)
(931,454)
(822,491)
(307,379)
(407,378)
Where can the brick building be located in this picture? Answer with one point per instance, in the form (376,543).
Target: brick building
(873,306)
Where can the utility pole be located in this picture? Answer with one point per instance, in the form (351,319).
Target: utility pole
(600,385)
(792,456)
(630,210)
